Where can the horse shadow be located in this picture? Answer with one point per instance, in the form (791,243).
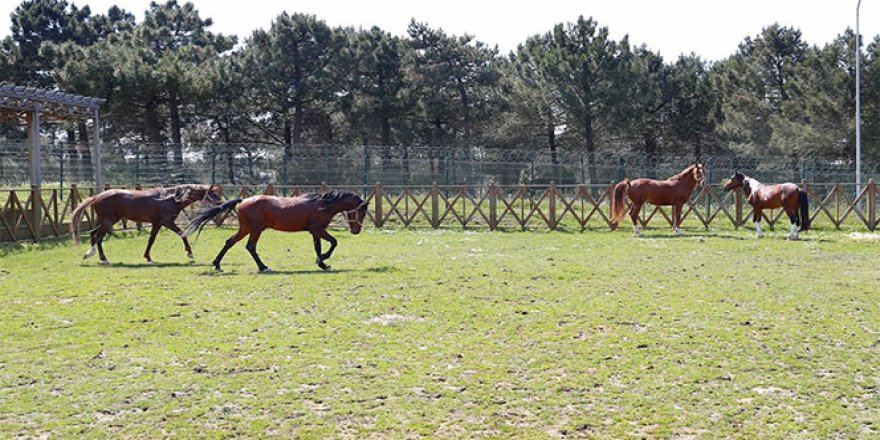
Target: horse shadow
(273,272)
(149,265)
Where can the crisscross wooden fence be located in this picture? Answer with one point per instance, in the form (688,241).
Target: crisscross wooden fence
(553,207)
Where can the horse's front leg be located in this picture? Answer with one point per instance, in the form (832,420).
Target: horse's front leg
(757,218)
(634,215)
(317,235)
(173,227)
(676,219)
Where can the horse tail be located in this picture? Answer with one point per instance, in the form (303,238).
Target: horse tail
(76,217)
(205,215)
(804,203)
(618,201)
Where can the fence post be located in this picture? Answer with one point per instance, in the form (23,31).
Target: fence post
(493,205)
(435,206)
(552,217)
(872,205)
(377,214)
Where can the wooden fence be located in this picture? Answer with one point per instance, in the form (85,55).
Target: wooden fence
(32,215)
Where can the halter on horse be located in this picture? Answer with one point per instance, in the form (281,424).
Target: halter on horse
(159,206)
(784,195)
(308,212)
(674,191)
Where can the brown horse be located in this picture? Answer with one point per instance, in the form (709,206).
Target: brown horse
(674,191)
(308,212)
(159,206)
(784,195)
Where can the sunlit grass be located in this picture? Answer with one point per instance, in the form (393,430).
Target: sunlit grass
(446,334)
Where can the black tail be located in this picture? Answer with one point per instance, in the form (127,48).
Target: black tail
(804,203)
(205,215)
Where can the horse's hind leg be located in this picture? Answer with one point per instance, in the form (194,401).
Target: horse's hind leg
(757,218)
(153,233)
(103,230)
(252,248)
(241,233)
(634,215)
(795,223)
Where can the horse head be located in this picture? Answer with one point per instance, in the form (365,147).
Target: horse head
(735,181)
(355,216)
(699,174)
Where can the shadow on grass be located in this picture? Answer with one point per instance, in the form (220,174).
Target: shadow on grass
(146,265)
(316,271)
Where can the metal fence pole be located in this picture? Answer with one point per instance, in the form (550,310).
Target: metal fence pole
(61,171)
(213,164)
(137,164)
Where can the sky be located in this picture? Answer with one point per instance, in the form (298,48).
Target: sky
(709,28)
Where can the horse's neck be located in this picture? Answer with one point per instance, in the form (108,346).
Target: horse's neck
(686,176)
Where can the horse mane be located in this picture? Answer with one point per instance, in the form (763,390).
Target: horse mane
(330,198)
(684,172)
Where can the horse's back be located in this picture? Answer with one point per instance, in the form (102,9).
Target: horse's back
(657,192)
(289,214)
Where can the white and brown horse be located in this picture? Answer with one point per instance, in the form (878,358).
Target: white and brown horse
(784,195)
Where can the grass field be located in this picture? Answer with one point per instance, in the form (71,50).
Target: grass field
(446,334)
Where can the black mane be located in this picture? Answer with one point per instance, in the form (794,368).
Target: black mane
(330,198)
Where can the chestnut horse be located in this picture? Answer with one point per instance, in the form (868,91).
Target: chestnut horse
(159,206)
(674,191)
(308,212)
(787,196)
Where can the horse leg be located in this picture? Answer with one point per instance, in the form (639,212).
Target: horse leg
(153,233)
(795,223)
(94,249)
(757,218)
(251,246)
(105,228)
(634,215)
(241,233)
(676,219)
(317,235)
(173,227)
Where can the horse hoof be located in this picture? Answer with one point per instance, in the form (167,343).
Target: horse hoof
(190,256)
(105,263)
(89,253)
(217,269)
(265,270)
(325,268)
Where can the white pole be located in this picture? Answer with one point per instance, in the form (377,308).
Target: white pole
(858,106)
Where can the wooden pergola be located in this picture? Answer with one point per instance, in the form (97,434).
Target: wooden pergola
(32,106)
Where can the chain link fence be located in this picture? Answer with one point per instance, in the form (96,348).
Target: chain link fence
(126,164)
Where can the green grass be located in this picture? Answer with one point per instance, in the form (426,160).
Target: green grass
(446,334)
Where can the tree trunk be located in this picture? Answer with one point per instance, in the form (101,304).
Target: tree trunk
(590,146)
(287,136)
(551,144)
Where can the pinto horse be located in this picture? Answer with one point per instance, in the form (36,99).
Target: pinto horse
(159,206)
(784,195)
(308,212)
(674,191)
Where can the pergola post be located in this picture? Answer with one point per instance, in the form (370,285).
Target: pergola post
(35,171)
